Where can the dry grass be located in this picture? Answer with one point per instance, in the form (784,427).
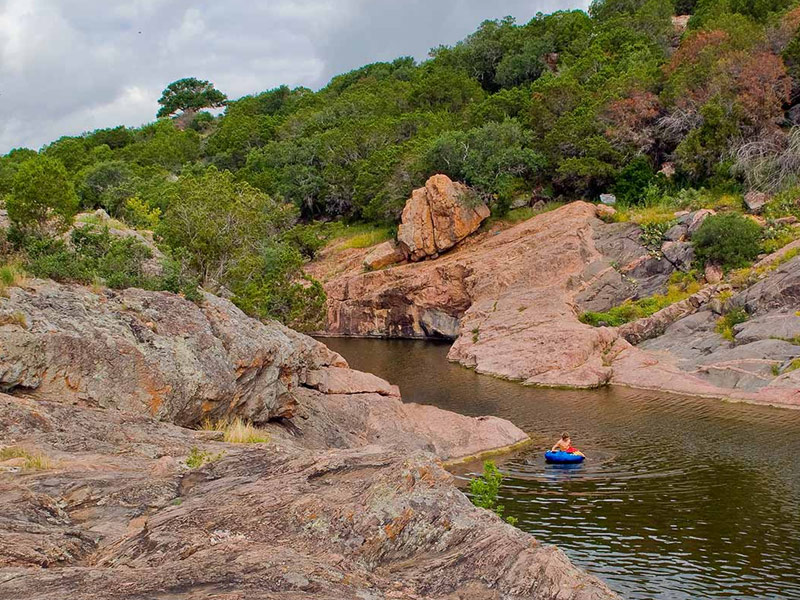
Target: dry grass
(11,275)
(237,431)
(33,462)
(15,318)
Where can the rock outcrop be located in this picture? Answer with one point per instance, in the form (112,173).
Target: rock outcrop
(437,217)
(121,516)
(511,300)
(348,498)
(156,354)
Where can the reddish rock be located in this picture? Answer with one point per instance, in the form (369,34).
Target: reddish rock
(437,217)
(383,255)
(605,212)
(713,273)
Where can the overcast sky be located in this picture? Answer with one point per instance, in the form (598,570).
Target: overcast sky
(68,66)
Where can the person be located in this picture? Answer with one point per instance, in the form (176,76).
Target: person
(565,445)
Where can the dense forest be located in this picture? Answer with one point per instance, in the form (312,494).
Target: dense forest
(567,106)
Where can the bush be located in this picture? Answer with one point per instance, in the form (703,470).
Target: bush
(484,490)
(729,240)
(42,193)
(727,322)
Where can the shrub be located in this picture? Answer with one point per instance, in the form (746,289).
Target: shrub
(727,322)
(11,275)
(42,193)
(484,490)
(197,457)
(730,240)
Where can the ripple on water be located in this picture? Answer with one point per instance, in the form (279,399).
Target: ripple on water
(679,499)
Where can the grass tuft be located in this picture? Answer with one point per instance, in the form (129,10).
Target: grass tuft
(33,462)
(11,275)
(727,322)
(197,458)
(237,431)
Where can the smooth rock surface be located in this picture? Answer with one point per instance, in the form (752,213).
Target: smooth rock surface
(121,516)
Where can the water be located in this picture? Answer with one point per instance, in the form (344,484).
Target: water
(681,498)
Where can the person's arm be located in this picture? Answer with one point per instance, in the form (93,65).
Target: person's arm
(555,448)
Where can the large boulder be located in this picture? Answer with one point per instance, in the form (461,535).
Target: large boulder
(437,217)
(150,352)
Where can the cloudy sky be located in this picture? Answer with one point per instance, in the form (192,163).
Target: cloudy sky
(68,66)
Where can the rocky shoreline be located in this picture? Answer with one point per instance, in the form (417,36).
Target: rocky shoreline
(347,499)
(511,301)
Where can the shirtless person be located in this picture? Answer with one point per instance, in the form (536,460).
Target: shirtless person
(565,445)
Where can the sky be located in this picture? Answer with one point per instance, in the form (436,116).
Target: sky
(69,66)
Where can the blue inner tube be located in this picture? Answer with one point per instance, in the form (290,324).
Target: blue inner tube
(562,457)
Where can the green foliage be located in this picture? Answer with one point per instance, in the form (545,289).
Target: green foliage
(633,180)
(189,95)
(485,489)
(729,240)
(198,458)
(42,194)
(578,103)
(727,322)
(232,235)
(682,285)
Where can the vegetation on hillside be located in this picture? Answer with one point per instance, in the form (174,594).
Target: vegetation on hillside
(566,106)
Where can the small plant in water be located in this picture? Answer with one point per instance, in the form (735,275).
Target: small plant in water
(484,490)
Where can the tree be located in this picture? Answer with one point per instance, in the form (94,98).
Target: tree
(42,194)
(189,95)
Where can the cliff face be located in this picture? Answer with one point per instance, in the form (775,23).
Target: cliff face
(347,499)
(511,301)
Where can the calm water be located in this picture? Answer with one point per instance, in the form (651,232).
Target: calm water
(681,498)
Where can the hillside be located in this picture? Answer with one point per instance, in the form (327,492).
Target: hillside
(630,99)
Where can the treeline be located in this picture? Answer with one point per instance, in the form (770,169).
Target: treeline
(567,106)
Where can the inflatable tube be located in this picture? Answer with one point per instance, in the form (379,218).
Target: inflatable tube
(562,457)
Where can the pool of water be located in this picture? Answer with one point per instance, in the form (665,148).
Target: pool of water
(680,498)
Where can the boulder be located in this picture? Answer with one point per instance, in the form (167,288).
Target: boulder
(677,233)
(713,273)
(437,217)
(755,201)
(610,199)
(383,255)
(605,212)
(153,353)
(693,220)
(680,254)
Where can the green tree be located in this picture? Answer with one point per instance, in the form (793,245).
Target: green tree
(189,95)
(42,194)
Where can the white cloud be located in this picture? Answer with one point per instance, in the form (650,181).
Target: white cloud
(68,66)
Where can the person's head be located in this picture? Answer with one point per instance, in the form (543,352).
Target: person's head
(565,437)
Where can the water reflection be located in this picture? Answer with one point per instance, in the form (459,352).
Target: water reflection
(680,498)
